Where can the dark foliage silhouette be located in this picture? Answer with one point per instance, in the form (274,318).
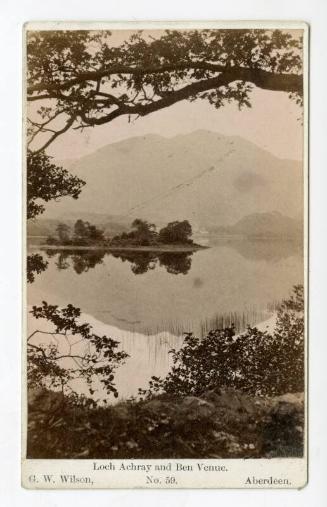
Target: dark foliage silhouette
(46,181)
(35,265)
(176,232)
(255,362)
(85,234)
(88,81)
(70,351)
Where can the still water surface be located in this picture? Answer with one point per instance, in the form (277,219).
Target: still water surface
(147,301)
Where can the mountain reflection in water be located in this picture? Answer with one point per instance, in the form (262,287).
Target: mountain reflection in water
(150,292)
(138,299)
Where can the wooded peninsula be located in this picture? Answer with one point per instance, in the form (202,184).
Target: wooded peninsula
(143,236)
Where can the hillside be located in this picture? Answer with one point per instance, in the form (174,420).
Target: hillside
(202,177)
(47,226)
(267,225)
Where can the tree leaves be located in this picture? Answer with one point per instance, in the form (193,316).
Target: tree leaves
(94,362)
(91,81)
(47,181)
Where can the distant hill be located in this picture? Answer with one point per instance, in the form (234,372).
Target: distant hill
(47,226)
(203,177)
(264,225)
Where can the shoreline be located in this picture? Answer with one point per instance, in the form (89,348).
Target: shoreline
(104,248)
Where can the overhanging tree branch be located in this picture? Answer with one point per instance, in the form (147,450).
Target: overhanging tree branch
(57,133)
(264,80)
(145,74)
(293,82)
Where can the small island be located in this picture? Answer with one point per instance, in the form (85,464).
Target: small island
(174,237)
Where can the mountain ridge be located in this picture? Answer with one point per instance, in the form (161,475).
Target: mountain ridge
(204,177)
(264,225)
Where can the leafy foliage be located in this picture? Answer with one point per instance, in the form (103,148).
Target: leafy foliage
(255,362)
(176,232)
(90,80)
(46,181)
(142,234)
(145,234)
(57,363)
(35,264)
(84,234)
(63,231)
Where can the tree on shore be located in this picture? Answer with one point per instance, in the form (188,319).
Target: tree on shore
(88,81)
(63,231)
(176,232)
(145,232)
(46,181)
(84,232)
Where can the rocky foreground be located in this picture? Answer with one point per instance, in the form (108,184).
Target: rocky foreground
(219,424)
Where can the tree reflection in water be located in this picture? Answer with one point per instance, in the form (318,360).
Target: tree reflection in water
(141,262)
(81,261)
(176,263)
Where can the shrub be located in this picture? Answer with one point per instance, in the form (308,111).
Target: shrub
(255,362)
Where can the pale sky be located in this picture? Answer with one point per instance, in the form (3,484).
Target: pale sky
(273,123)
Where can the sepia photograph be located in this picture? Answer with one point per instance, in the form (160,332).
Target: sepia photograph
(166,243)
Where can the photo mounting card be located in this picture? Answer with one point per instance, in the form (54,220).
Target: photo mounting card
(166,255)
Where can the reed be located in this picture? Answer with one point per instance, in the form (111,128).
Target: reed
(240,320)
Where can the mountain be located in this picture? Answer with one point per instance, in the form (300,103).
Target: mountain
(203,177)
(264,225)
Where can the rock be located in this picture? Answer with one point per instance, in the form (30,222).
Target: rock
(192,408)
(237,402)
(291,398)
(42,400)
(155,405)
(212,396)
(121,411)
